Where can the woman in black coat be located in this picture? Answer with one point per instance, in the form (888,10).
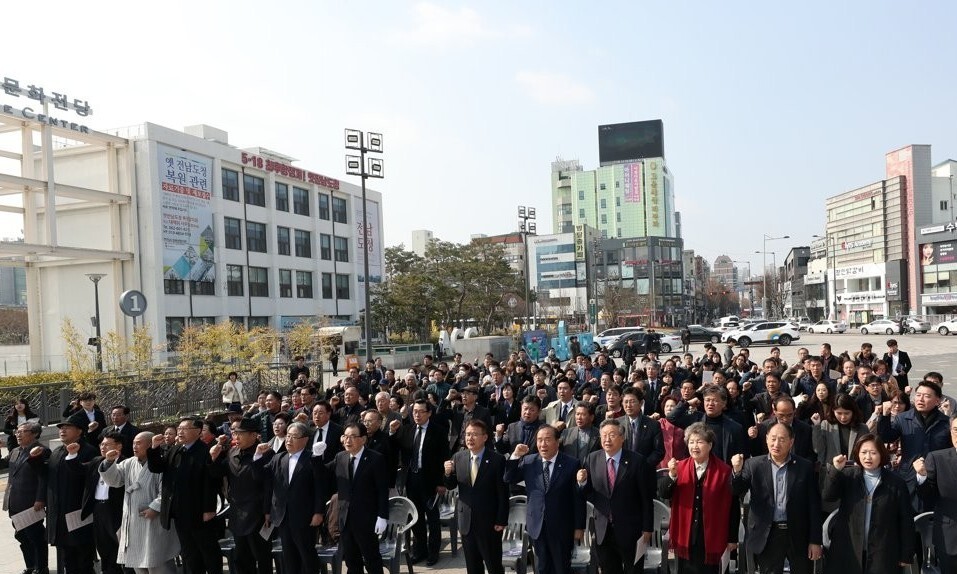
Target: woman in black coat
(867,489)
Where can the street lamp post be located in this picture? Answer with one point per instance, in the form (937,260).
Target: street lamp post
(829,301)
(764,262)
(95,278)
(357,165)
(526,226)
(774,266)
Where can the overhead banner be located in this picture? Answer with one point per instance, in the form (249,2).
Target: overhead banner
(372,248)
(185,184)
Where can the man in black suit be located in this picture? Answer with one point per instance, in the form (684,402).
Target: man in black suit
(898,363)
(377,439)
(105,505)
(784,412)
(581,439)
(188,496)
(246,497)
(325,431)
(523,431)
(358,476)
(27,488)
(729,436)
(642,434)
(296,498)
(477,472)
(89,417)
(553,495)
(65,482)
(654,388)
(937,487)
(120,417)
(469,411)
(621,486)
(785,513)
(424,447)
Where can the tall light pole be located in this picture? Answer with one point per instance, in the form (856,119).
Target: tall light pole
(526,226)
(357,165)
(95,278)
(832,272)
(774,270)
(764,262)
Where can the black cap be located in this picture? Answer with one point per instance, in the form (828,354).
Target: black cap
(248,425)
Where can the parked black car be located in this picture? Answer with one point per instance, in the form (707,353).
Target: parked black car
(701,334)
(616,348)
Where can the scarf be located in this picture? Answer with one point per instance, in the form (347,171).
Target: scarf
(716,504)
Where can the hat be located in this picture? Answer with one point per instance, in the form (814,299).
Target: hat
(383,381)
(234,410)
(70,422)
(248,425)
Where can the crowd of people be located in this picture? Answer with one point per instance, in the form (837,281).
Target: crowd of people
(851,433)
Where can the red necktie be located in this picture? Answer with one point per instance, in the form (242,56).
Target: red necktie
(611,474)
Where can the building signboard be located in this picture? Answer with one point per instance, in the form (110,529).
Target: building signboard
(289,171)
(654,202)
(185,185)
(372,248)
(930,299)
(631,182)
(938,253)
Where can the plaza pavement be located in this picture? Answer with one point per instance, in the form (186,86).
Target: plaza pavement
(929,352)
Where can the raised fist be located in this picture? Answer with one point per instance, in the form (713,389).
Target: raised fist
(695,402)
(394,426)
(500,429)
(521,449)
(262,448)
(222,439)
(582,475)
(816,418)
(92,426)
(448,468)
(73,448)
(215,451)
(737,463)
(919,467)
(112,455)
(746,386)
(158,441)
(753,432)
(759,418)
(673,467)
(839,461)
(559,425)
(886,408)
(36,451)
(301,418)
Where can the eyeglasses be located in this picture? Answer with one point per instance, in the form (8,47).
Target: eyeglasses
(291,437)
(351,436)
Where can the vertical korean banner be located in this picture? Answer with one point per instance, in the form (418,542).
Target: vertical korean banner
(374,248)
(185,183)
(654,197)
(631,180)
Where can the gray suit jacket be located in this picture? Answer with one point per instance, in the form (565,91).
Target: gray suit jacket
(25,485)
(570,444)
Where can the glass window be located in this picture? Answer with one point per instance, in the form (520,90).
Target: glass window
(282,240)
(255,190)
(303,243)
(202,287)
(173,287)
(234,280)
(304,284)
(230,185)
(342,286)
(602,203)
(256,236)
(285,283)
(300,201)
(339,210)
(174,328)
(617,202)
(234,233)
(601,186)
(327,285)
(324,206)
(341,249)
(258,322)
(282,196)
(581,195)
(325,247)
(258,282)
(604,218)
(581,213)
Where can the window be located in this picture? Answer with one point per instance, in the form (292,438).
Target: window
(617,202)
(303,243)
(342,249)
(174,328)
(234,233)
(234,280)
(581,195)
(241,321)
(324,206)
(943,205)
(581,213)
(325,247)
(327,285)
(342,286)
(300,201)
(230,185)
(255,190)
(258,282)
(173,286)
(617,184)
(601,186)
(285,283)
(256,236)
(339,210)
(604,218)
(258,322)
(282,240)
(202,287)
(618,217)
(282,196)
(304,284)
(603,204)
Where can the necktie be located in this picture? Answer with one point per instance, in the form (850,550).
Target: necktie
(612,475)
(416,447)
(352,469)
(474,470)
(547,474)
(319,435)
(564,412)
(634,434)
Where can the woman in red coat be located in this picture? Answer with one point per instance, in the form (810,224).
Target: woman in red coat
(673,436)
(704,513)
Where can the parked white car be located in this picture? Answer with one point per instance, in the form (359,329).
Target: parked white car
(609,336)
(773,332)
(947,327)
(828,327)
(670,343)
(881,326)
(915,325)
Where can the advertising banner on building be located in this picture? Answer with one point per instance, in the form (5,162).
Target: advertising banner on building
(654,182)
(185,186)
(374,247)
(631,181)
(938,253)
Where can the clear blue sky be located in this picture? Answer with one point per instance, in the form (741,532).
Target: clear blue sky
(768,108)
